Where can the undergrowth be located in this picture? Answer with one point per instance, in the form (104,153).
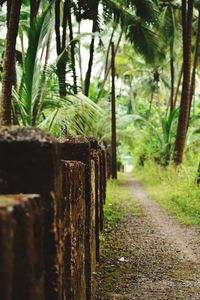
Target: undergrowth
(174,189)
(118,200)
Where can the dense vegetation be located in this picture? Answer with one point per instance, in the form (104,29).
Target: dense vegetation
(55,74)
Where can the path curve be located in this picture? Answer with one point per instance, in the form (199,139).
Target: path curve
(157,258)
(184,238)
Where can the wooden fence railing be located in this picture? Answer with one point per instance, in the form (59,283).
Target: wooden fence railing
(51,214)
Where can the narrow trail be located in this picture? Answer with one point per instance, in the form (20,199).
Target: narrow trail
(149,255)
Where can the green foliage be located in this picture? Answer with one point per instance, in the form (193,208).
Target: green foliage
(119,200)
(28,98)
(174,189)
(135,18)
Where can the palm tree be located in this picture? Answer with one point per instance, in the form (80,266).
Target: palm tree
(61,45)
(89,10)
(196,57)
(169,31)
(187,14)
(9,61)
(72,43)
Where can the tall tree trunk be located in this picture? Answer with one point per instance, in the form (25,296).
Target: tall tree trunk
(57,26)
(14,72)
(34,7)
(9,60)
(80,58)
(90,63)
(114,143)
(196,56)
(72,45)
(170,104)
(60,47)
(172,83)
(109,67)
(150,106)
(178,86)
(187,15)
(108,50)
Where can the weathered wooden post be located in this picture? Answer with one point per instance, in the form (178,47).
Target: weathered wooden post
(21,247)
(79,148)
(74,230)
(103,175)
(30,163)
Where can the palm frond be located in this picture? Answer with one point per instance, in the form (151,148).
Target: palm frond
(32,65)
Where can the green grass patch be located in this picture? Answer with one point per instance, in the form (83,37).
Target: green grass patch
(119,200)
(174,189)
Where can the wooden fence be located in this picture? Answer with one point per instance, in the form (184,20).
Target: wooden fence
(51,214)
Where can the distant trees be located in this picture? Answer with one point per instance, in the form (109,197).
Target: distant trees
(148,76)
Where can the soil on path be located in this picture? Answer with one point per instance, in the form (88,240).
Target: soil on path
(149,255)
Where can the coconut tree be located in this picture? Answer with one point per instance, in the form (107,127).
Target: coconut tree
(9,61)
(170,32)
(187,14)
(93,14)
(196,56)
(61,45)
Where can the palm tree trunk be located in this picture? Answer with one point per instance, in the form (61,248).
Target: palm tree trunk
(114,142)
(14,72)
(34,7)
(9,60)
(178,87)
(90,63)
(172,75)
(172,83)
(57,26)
(108,50)
(80,58)
(150,106)
(196,56)
(109,67)
(60,47)
(187,15)
(72,44)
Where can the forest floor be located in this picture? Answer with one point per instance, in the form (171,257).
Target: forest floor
(147,254)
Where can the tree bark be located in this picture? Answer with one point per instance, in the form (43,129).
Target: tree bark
(14,72)
(9,60)
(114,143)
(60,47)
(108,50)
(178,87)
(80,58)
(196,56)
(90,63)
(187,15)
(150,106)
(34,7)
(109,67)
(72,45)
(57,26)
(172,84)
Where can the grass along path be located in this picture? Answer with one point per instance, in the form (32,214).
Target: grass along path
(174,189)
(145,253)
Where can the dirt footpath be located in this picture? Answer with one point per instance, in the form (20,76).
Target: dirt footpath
(149,255)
